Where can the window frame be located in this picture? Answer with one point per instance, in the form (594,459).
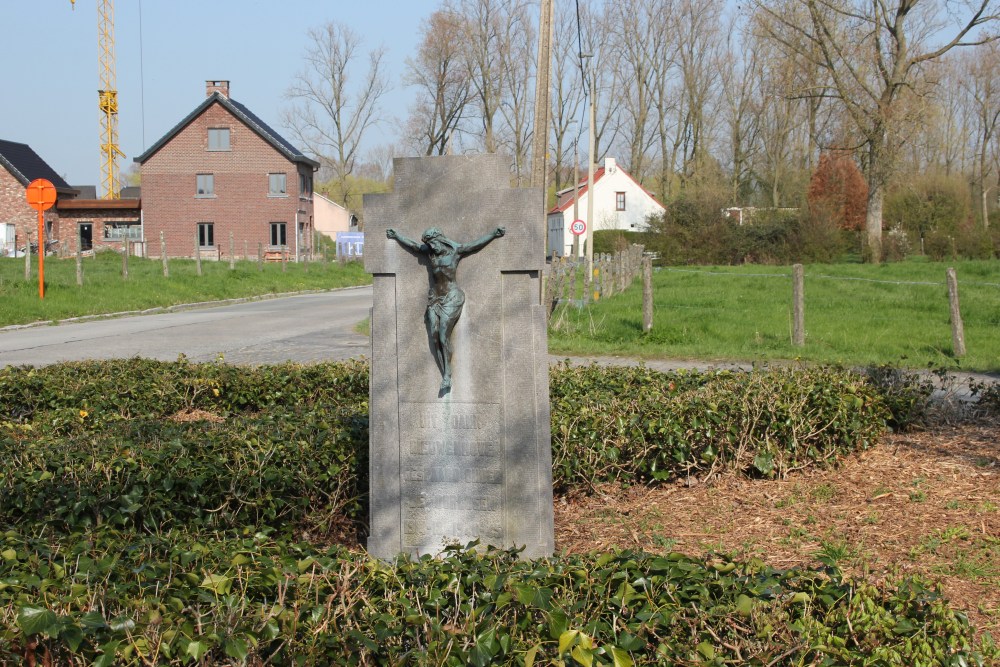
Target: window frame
(619,201)
(271,176)
(218,147)
(281,236)
(134,230)
(210,182)
(206,232)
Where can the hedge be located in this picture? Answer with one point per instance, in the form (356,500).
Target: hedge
(159,445)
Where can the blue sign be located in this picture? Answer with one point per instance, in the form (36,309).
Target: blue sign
(350,245)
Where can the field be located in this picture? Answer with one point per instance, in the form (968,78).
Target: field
(895,313)
(105,291)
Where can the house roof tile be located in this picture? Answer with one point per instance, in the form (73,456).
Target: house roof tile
(25,165)
(248,118)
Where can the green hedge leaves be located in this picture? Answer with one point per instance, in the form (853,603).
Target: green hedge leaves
(175,513)
(128,599)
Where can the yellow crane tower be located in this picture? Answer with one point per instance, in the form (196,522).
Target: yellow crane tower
(108,99)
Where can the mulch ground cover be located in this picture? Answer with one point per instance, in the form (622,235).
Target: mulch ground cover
(921,503)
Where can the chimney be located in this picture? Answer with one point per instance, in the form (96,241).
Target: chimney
(610,166)
(221,87)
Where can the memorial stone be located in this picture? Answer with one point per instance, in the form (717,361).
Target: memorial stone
(459,408)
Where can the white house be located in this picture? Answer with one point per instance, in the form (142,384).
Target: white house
(619,203)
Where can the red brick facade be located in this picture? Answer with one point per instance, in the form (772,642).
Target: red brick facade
(14,209)
(240,204)
(92,222)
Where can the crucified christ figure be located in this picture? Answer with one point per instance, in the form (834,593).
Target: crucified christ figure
(444,300)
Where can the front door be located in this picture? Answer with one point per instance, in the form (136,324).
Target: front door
(86,236)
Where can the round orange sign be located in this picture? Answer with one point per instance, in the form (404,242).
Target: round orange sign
(41,194)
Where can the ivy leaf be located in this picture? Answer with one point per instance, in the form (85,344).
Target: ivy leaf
(583,656)
(37,620)
(219,584)
(73,636)
(236,648)
(567,639)
(620,657)
(706,650)
(196,650)
(764,463)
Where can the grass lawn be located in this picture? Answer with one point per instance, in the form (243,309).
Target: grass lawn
(104,290)
(855,314)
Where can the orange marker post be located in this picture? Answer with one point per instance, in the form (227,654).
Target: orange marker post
(41,196)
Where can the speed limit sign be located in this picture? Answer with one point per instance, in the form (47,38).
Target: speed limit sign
(578,227)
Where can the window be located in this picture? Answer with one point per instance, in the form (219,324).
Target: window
(119,231)
(278,238)
(205,185)
(206,235)
(276,185)
(305,186)
(619,201)
(218,138)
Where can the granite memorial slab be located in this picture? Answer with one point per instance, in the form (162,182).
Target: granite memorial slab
(459,408)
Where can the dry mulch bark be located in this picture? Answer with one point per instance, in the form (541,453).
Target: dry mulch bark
(925,503)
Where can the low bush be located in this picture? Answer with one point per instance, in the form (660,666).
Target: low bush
(636,425)
(154,446)
(118,599)
(154,513)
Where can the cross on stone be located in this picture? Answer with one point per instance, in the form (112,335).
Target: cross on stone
(472,462)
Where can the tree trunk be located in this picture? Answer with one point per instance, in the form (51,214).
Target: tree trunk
(873,222)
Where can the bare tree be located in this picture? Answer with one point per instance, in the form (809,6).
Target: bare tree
(330,116)
(567,92)
(875,52)
(517,66)
(482,43)
(442,80)
(697,55)
(742,77)
(637,45)
(599,64)
(980,76)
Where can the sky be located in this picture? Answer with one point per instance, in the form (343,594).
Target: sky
(165,51)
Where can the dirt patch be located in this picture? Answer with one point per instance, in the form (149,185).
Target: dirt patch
(196,415)
(924,503)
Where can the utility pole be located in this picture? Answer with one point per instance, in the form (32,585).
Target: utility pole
(540,141)
(576,196)
(590,177)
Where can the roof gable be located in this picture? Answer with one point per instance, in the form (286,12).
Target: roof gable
(25,165)
(563,205)
(244,115)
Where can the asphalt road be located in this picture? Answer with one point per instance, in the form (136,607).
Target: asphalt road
(303,328)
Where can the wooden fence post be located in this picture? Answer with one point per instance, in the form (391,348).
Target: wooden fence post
(27,257)
(246,249)
(125,260)
(232,253)
(647,294)
(79,262)
(798,306)
(260,256)
(163,256)
(957,330)
(284,258)
(197,253)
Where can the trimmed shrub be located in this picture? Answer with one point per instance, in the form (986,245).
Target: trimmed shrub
(115,599)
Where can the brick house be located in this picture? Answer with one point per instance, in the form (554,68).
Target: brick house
(223,173)
(19,166)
